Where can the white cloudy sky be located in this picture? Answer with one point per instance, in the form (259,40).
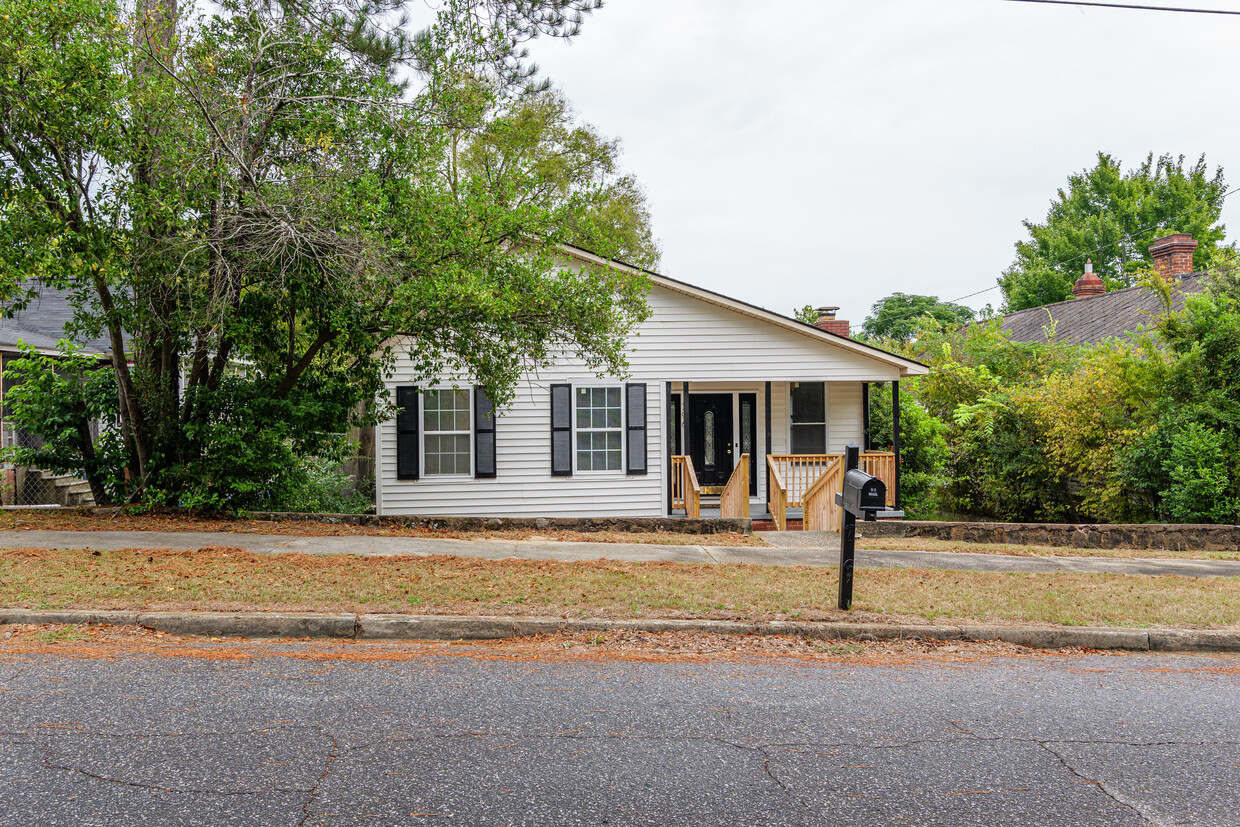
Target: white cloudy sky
(835,151)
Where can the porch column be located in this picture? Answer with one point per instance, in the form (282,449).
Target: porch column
(766,444)
(671,442)
(895,433)
(865,416)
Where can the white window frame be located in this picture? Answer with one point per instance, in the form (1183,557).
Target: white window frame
(623,429)
(424,432)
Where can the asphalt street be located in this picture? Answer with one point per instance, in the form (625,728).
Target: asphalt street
(442,738)
(793,550)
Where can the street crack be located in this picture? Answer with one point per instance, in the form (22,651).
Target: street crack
(1063,761)
(314,791)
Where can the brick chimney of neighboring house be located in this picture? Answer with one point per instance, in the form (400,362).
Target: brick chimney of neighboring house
(828,322)
(1173,256)
(1088,284)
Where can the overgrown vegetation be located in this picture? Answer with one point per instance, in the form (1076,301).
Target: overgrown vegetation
(261,206)
(1137,430)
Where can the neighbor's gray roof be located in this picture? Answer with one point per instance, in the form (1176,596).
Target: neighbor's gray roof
(42,324)
(1092,319)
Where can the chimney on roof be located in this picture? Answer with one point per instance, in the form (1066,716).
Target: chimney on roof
(1173,256)
(828,322)
(1088,284)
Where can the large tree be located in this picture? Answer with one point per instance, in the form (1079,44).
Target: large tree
(1111,217)
(901,315)
(264,209)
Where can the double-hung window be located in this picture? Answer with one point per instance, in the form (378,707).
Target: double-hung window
(600,434)
(446,432)
(598,428)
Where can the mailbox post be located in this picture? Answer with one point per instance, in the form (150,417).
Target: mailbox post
(862,495)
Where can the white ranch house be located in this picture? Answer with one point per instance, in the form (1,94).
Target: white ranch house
(723,399)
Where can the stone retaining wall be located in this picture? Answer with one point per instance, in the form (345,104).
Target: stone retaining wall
(677,525)
(1170,537)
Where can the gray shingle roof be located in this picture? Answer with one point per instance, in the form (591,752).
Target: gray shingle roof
(1092,319)
(43,322)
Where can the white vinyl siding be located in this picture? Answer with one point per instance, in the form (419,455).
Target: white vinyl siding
(523,486)
(685,339)
(845,415)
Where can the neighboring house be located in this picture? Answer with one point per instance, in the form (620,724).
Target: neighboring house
(1095,315)
(710,377)
(40,326)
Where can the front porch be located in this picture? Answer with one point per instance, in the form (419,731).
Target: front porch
(771,450)
(802,486)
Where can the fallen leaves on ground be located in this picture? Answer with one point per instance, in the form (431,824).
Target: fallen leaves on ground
(73,520)
(102,641)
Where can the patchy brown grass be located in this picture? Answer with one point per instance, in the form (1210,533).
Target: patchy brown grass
(90,641)
(230,579)
(927,544)
(54,520)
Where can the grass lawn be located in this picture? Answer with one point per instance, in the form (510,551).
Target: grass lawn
(926,544)
(57,520)
(228,579)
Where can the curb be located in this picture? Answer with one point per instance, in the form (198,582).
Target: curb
(444,627)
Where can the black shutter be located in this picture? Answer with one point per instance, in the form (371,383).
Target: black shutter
(407,432)
(635,439)
(561,430)
(484,435)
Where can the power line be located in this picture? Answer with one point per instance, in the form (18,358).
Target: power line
(1128,6)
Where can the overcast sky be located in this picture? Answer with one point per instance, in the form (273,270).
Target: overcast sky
(832,152)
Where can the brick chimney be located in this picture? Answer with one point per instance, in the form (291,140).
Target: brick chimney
(828,322)
(1173,256)
(1088,284)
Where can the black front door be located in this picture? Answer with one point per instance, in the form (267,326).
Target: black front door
(710,437)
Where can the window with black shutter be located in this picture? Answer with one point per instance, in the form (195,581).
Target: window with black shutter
(561,430)
(484,435)
(407,432)
(635,431)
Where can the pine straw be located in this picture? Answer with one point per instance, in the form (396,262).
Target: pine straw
(221,578)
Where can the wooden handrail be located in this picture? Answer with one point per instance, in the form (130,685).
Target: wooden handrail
(820,510)
(801,471)
(776,494)
(734,501)
(686,493)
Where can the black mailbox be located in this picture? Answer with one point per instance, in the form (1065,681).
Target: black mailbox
(863,493)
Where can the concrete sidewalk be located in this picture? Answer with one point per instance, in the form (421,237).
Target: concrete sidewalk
(783,555)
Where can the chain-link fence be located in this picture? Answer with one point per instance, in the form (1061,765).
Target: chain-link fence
(20,486)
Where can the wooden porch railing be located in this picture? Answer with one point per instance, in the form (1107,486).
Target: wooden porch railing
(801,471)
(820,511)
(882,464)
(776,494)
(686,493)
(734,501)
